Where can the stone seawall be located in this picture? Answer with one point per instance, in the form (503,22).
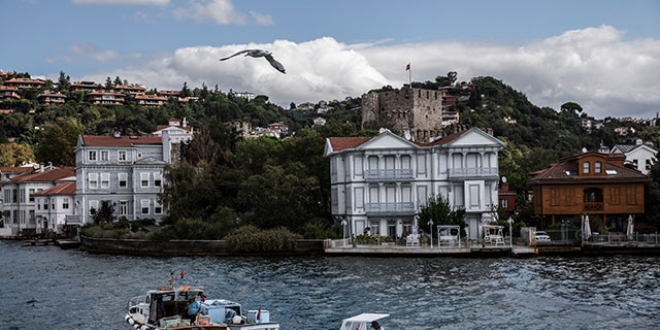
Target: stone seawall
(186,248)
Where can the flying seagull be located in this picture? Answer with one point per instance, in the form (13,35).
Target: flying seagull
(259,53)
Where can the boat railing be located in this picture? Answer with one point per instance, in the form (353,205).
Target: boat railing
(136,300)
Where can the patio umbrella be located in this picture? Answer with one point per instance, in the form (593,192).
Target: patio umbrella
(631,227)
(586,228)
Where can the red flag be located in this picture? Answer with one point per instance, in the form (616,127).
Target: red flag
(203,298)
(182,274)
(259,314)
(408,67)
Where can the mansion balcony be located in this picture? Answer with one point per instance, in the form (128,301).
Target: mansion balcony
(473,173)
(593,206)
(389,175)
(394,208)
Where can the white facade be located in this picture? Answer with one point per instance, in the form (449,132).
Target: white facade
(120,171)
(382,182)
(19,199)
(640,155)
(53,206)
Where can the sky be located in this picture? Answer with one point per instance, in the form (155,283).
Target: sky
(601,54)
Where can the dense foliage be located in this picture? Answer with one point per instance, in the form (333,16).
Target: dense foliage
(225,182)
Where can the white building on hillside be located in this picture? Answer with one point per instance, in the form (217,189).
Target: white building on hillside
(383,181)
(639,155)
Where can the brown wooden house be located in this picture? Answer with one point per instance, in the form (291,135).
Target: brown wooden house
(594,184)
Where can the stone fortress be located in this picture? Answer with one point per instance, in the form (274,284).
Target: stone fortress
(413,113)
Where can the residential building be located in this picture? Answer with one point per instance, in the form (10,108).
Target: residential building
(168,93)
(639,155)
(133,89)
(124,172)
(9,93)
(51,98)
(54,205)
(176,131)
(18,197)
(105,97)
(382,182)
(507,198)
(593,184)
(25,83)
(87,86)
(149,100)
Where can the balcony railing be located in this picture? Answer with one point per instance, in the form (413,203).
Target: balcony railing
(402,208)
(593,206)
(483,173)
(389,175)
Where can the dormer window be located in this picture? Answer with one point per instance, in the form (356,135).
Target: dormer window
(586,167)
(598,167)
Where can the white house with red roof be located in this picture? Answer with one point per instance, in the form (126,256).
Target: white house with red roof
(176,131)
(382,182)
(125,172)
(18,197)
(53,205)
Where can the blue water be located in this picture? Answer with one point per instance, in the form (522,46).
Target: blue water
(44,287)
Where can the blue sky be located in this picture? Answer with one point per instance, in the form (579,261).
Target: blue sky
(604,55)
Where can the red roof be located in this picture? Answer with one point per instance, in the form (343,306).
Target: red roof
(45,176)
(341,143)
(67,188)
(121,141)
(16,169)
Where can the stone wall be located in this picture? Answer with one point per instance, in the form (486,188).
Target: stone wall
(186,248)
(416,111)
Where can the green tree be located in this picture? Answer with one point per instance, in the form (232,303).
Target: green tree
(15,154)
(58,143)
(571,107)
(438,210)
(104,214)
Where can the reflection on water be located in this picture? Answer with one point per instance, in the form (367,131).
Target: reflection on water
(70,289)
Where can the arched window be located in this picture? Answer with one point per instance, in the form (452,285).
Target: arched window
(586,166)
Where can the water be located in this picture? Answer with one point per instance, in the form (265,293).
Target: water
(44,287)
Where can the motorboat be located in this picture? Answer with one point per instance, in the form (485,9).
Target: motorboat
(361,321)
(167,308)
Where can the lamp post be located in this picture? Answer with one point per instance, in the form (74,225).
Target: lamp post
(343,227)
(510,221)
(431,231)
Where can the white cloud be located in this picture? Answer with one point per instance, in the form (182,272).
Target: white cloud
(595,67)
(91,51)
(122,2)
(217,11)
(262,19)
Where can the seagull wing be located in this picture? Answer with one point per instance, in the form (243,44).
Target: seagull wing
(239,53)
(277,65)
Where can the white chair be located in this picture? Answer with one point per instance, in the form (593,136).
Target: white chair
(412,240)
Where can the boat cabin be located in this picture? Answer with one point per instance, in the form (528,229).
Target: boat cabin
(168,301)
(362,321)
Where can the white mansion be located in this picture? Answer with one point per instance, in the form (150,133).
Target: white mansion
(383,181)
(125,172)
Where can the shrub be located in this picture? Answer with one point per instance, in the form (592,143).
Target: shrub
(253,239)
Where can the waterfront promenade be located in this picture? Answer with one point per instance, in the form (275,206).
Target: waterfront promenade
(596,245)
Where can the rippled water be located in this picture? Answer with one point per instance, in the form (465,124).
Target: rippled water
(44,287)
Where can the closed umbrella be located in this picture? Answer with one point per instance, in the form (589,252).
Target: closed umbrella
(586,228)
(631,227)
